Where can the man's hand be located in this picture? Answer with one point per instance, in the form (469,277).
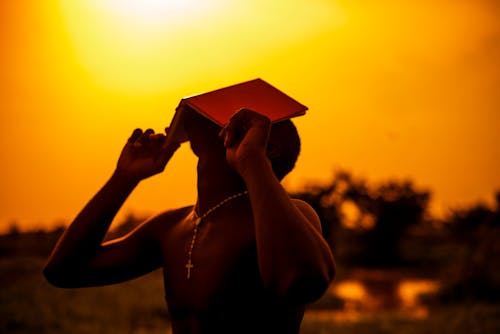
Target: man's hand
(245,138)
(145,154)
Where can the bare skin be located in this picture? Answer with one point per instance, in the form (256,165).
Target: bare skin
(257,260)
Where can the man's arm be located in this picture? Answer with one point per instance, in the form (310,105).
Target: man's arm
(80,258)
(293,256)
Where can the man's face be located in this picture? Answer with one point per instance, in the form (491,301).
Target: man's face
(202,133)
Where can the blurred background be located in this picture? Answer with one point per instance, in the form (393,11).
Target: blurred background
(400,153)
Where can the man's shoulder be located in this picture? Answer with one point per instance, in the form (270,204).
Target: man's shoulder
(301,204)
(308,211)
(168,218)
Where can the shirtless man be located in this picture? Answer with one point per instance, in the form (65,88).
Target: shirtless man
(253,262)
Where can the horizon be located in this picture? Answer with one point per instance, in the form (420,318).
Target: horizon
(47,227)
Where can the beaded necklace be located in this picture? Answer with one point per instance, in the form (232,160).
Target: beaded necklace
(189,264)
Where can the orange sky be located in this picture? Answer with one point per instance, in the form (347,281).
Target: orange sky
(395,89)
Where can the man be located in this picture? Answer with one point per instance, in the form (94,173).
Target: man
(252,261)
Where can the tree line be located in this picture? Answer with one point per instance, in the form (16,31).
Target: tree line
(389,226)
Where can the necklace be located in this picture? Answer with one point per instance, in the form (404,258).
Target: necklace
(197,223)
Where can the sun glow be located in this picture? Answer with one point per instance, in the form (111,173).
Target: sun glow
(147,47)
(157,12)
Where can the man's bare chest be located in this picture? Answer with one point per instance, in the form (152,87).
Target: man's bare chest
(222,265)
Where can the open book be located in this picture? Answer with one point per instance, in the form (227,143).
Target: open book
(219,105)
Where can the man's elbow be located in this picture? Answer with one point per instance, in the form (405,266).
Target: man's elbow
(308,286)
(53,276)
(58,277)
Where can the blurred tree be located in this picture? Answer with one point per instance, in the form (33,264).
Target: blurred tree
(368,222)
(497,197)
(395,207)
(14,228)
(474,274)
(464,223)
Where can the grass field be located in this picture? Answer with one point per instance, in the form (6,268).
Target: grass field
(28,304)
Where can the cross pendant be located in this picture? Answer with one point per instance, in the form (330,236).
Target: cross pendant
(189,266)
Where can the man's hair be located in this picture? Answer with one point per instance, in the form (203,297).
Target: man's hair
(283,147)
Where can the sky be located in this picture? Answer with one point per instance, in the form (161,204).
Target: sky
(396,89)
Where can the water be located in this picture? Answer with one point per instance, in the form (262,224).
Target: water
(370,292)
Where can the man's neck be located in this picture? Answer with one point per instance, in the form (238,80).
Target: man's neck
(216,182)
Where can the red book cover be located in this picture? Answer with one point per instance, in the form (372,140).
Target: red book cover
(219,105)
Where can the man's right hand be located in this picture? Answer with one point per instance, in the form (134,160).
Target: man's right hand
(145,154)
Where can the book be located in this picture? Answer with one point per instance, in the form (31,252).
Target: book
(219,105)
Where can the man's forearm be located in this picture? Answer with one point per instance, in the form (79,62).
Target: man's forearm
(85,234)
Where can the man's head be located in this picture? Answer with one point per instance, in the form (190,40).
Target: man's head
(282,149)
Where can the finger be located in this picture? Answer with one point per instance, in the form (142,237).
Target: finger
(223,134)
(166,143)
(158,141)
(235,130)
(167,154)
(144,138)
(156,137)
(229,134)
(245,114)
(240,113)
(135,135)
(229,130)
(149,132)
(222,131)
(250,115)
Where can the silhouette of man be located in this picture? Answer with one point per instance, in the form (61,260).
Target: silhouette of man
(249,265)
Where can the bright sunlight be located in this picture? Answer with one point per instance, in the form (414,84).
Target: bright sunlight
(157,12)
(143,47)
